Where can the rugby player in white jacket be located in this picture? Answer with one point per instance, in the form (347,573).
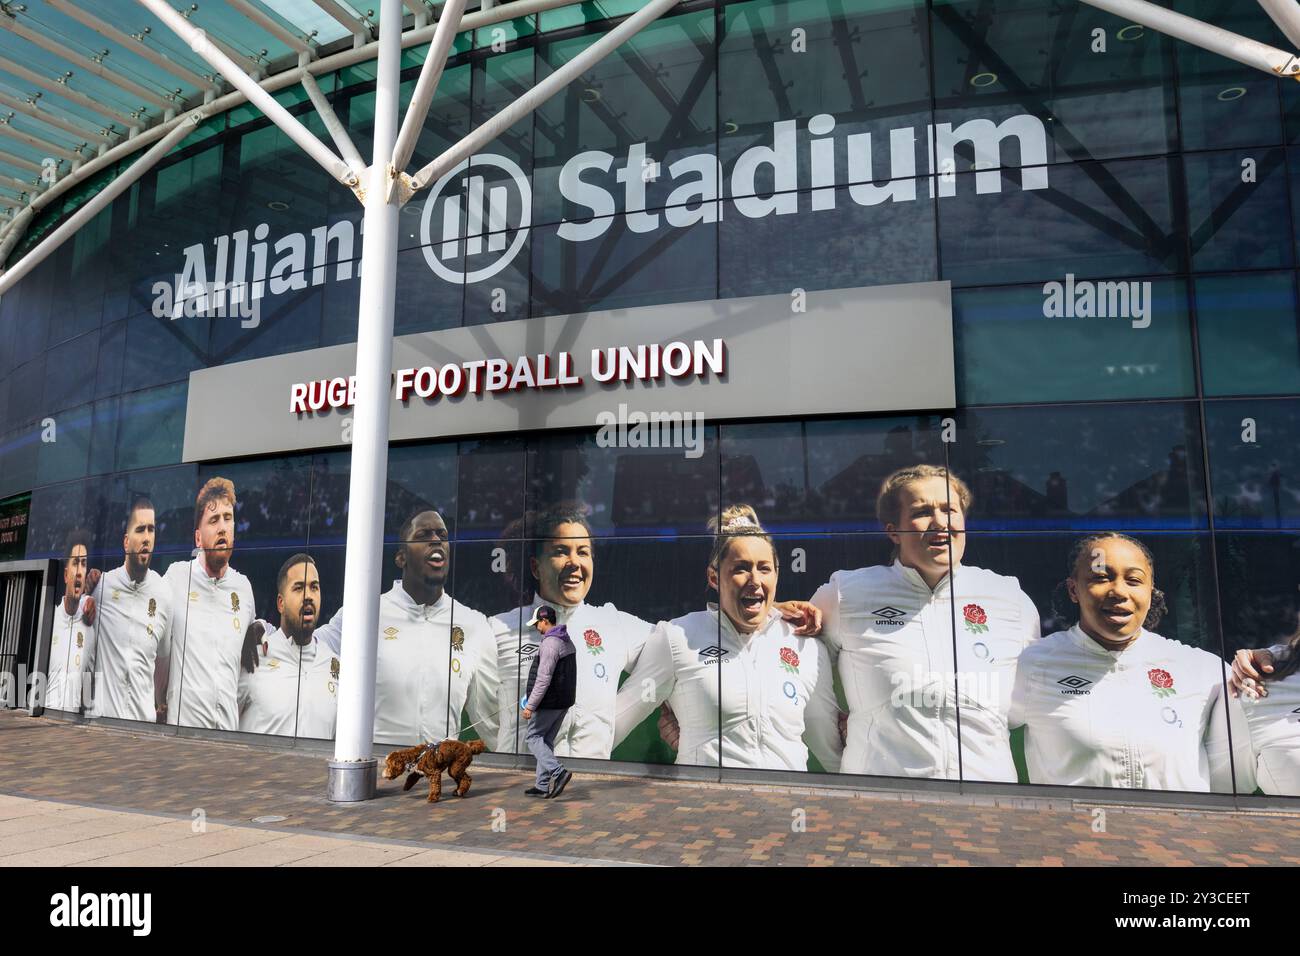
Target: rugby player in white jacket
(740,664)
(889,629)
(71,631)
(213,604)
(1109,703)
(608,640)
(129,645)
(436,656)
(1271,703)
(293,691)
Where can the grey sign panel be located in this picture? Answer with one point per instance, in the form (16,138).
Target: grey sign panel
(884,348)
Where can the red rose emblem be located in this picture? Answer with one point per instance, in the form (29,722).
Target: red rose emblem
(593,641)
(1162,682)
(977,622)
(789,657)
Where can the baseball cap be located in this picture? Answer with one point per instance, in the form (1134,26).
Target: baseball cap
(543,613)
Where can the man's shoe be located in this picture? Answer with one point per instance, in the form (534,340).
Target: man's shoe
(535,792)
(559,781)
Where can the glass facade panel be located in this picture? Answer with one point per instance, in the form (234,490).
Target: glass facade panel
(1115,216)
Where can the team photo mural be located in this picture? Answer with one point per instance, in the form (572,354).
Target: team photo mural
(1080,572)
(915,664)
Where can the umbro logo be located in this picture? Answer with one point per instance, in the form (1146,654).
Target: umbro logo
(713,654)
(1074,685)
(528,650)
(887,616)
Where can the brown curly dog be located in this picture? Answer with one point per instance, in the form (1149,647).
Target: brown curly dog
(430,760)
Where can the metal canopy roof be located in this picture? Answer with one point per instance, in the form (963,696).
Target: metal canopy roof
(77,78)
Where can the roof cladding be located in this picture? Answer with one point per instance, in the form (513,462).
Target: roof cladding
(77,77)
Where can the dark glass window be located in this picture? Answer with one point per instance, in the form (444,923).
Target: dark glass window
(1025,344)
(1238,216)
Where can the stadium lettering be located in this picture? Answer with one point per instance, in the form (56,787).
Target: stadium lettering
(798,169)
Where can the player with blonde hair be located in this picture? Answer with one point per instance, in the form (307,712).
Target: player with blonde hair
(915,708)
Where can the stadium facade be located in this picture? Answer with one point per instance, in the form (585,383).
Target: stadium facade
(766,254)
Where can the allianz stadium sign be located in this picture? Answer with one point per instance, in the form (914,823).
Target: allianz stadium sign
(497,210)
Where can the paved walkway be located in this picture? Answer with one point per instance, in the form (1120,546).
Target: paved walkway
(80,794)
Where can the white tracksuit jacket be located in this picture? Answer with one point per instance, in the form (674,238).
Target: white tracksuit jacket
(1275,739)
(68,650)
(293,691)
(773,689)
(1152,716)
(434,662)
(891,638)
(207,643)
(607,641)
(133,628)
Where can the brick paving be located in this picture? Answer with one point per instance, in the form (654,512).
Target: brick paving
(606,818)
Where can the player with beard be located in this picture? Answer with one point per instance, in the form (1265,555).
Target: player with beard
(68,638)
(435,655)
(213,604)
(128,648)
(293,691)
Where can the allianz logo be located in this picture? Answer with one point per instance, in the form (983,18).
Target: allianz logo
(495,198)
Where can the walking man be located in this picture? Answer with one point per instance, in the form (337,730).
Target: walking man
(552,689)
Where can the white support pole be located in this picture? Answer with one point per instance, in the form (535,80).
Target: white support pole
(542,92)
(1286,14)
(1261,56)
(17,228)
(426,86)
(344,18)
(338,132)
(198,42)
(352,771)
(100,201)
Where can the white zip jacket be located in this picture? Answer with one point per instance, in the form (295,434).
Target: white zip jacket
(773,689)
(133,628)
(293,691)
(434,662)
(892,638)
(607,642)
(1275,739)
(1152,716)
(207,643)
(68,651)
